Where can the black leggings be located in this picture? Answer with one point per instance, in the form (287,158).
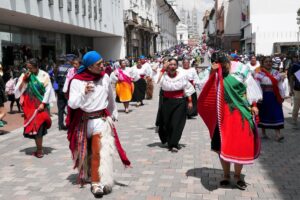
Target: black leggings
(12,104)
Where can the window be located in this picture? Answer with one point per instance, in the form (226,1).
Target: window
(100,9)
(180,36)
(83,8)
(60,3)
(90,8)
(95,9)
(69,5)
(50,2)
(76,6)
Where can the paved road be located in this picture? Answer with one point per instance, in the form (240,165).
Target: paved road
(157,174)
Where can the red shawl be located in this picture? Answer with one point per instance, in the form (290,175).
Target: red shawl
(74,119)
(207,103)
(274,85)
(239,141)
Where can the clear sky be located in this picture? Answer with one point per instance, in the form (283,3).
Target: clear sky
(201,5)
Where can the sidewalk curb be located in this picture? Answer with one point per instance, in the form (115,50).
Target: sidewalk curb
(13,133)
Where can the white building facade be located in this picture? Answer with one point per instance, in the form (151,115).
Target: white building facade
(141,27)
(167,22)
(182,33)
(269,27)
(50,28)
(150,27)
(232,23)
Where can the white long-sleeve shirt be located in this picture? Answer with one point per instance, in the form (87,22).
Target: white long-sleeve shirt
(145,70)
(101,98)
(242,73)
(179,82)
(43,77)
(192,76)
(127,71)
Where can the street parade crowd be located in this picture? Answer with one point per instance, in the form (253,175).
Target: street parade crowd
(224,88)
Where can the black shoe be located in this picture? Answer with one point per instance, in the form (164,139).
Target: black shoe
(173,150)
(224,183)
(241,184)
(107,189)
(63,128)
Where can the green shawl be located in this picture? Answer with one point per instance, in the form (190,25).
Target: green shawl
(234,97)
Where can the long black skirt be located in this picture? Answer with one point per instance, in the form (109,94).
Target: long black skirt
(172,121)
(159,107)
(193,112)
(139,90)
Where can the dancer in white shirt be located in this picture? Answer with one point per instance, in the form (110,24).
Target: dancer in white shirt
(195,81)
(177,91)
(91,131)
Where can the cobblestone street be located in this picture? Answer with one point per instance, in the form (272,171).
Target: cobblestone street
(193,173)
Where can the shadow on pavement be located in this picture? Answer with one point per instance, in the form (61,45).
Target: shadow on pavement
(151,128)
(157,144)
(31,150)
(281,161)
(4,132)
(120,184)
(210,177)
(164,146)
(123,111)
(73,179)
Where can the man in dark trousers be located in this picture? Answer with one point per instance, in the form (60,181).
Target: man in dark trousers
(61,99)
(295,91)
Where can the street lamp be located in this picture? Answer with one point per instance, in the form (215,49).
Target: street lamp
(298,22)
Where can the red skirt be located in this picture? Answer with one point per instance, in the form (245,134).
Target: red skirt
(239,142)
(30,104)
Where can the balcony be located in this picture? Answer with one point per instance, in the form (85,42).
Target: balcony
(156,29)
(131,17)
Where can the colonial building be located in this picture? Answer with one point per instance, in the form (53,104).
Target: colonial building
(224,25)
(49,28)
(182,33)
(167,22)
(210,29)
(141,28)
(150,26)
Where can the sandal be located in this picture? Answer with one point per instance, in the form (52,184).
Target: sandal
(280,139)
(264,136)
(239,183)
(173,150)
(38,155)
(225,181)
